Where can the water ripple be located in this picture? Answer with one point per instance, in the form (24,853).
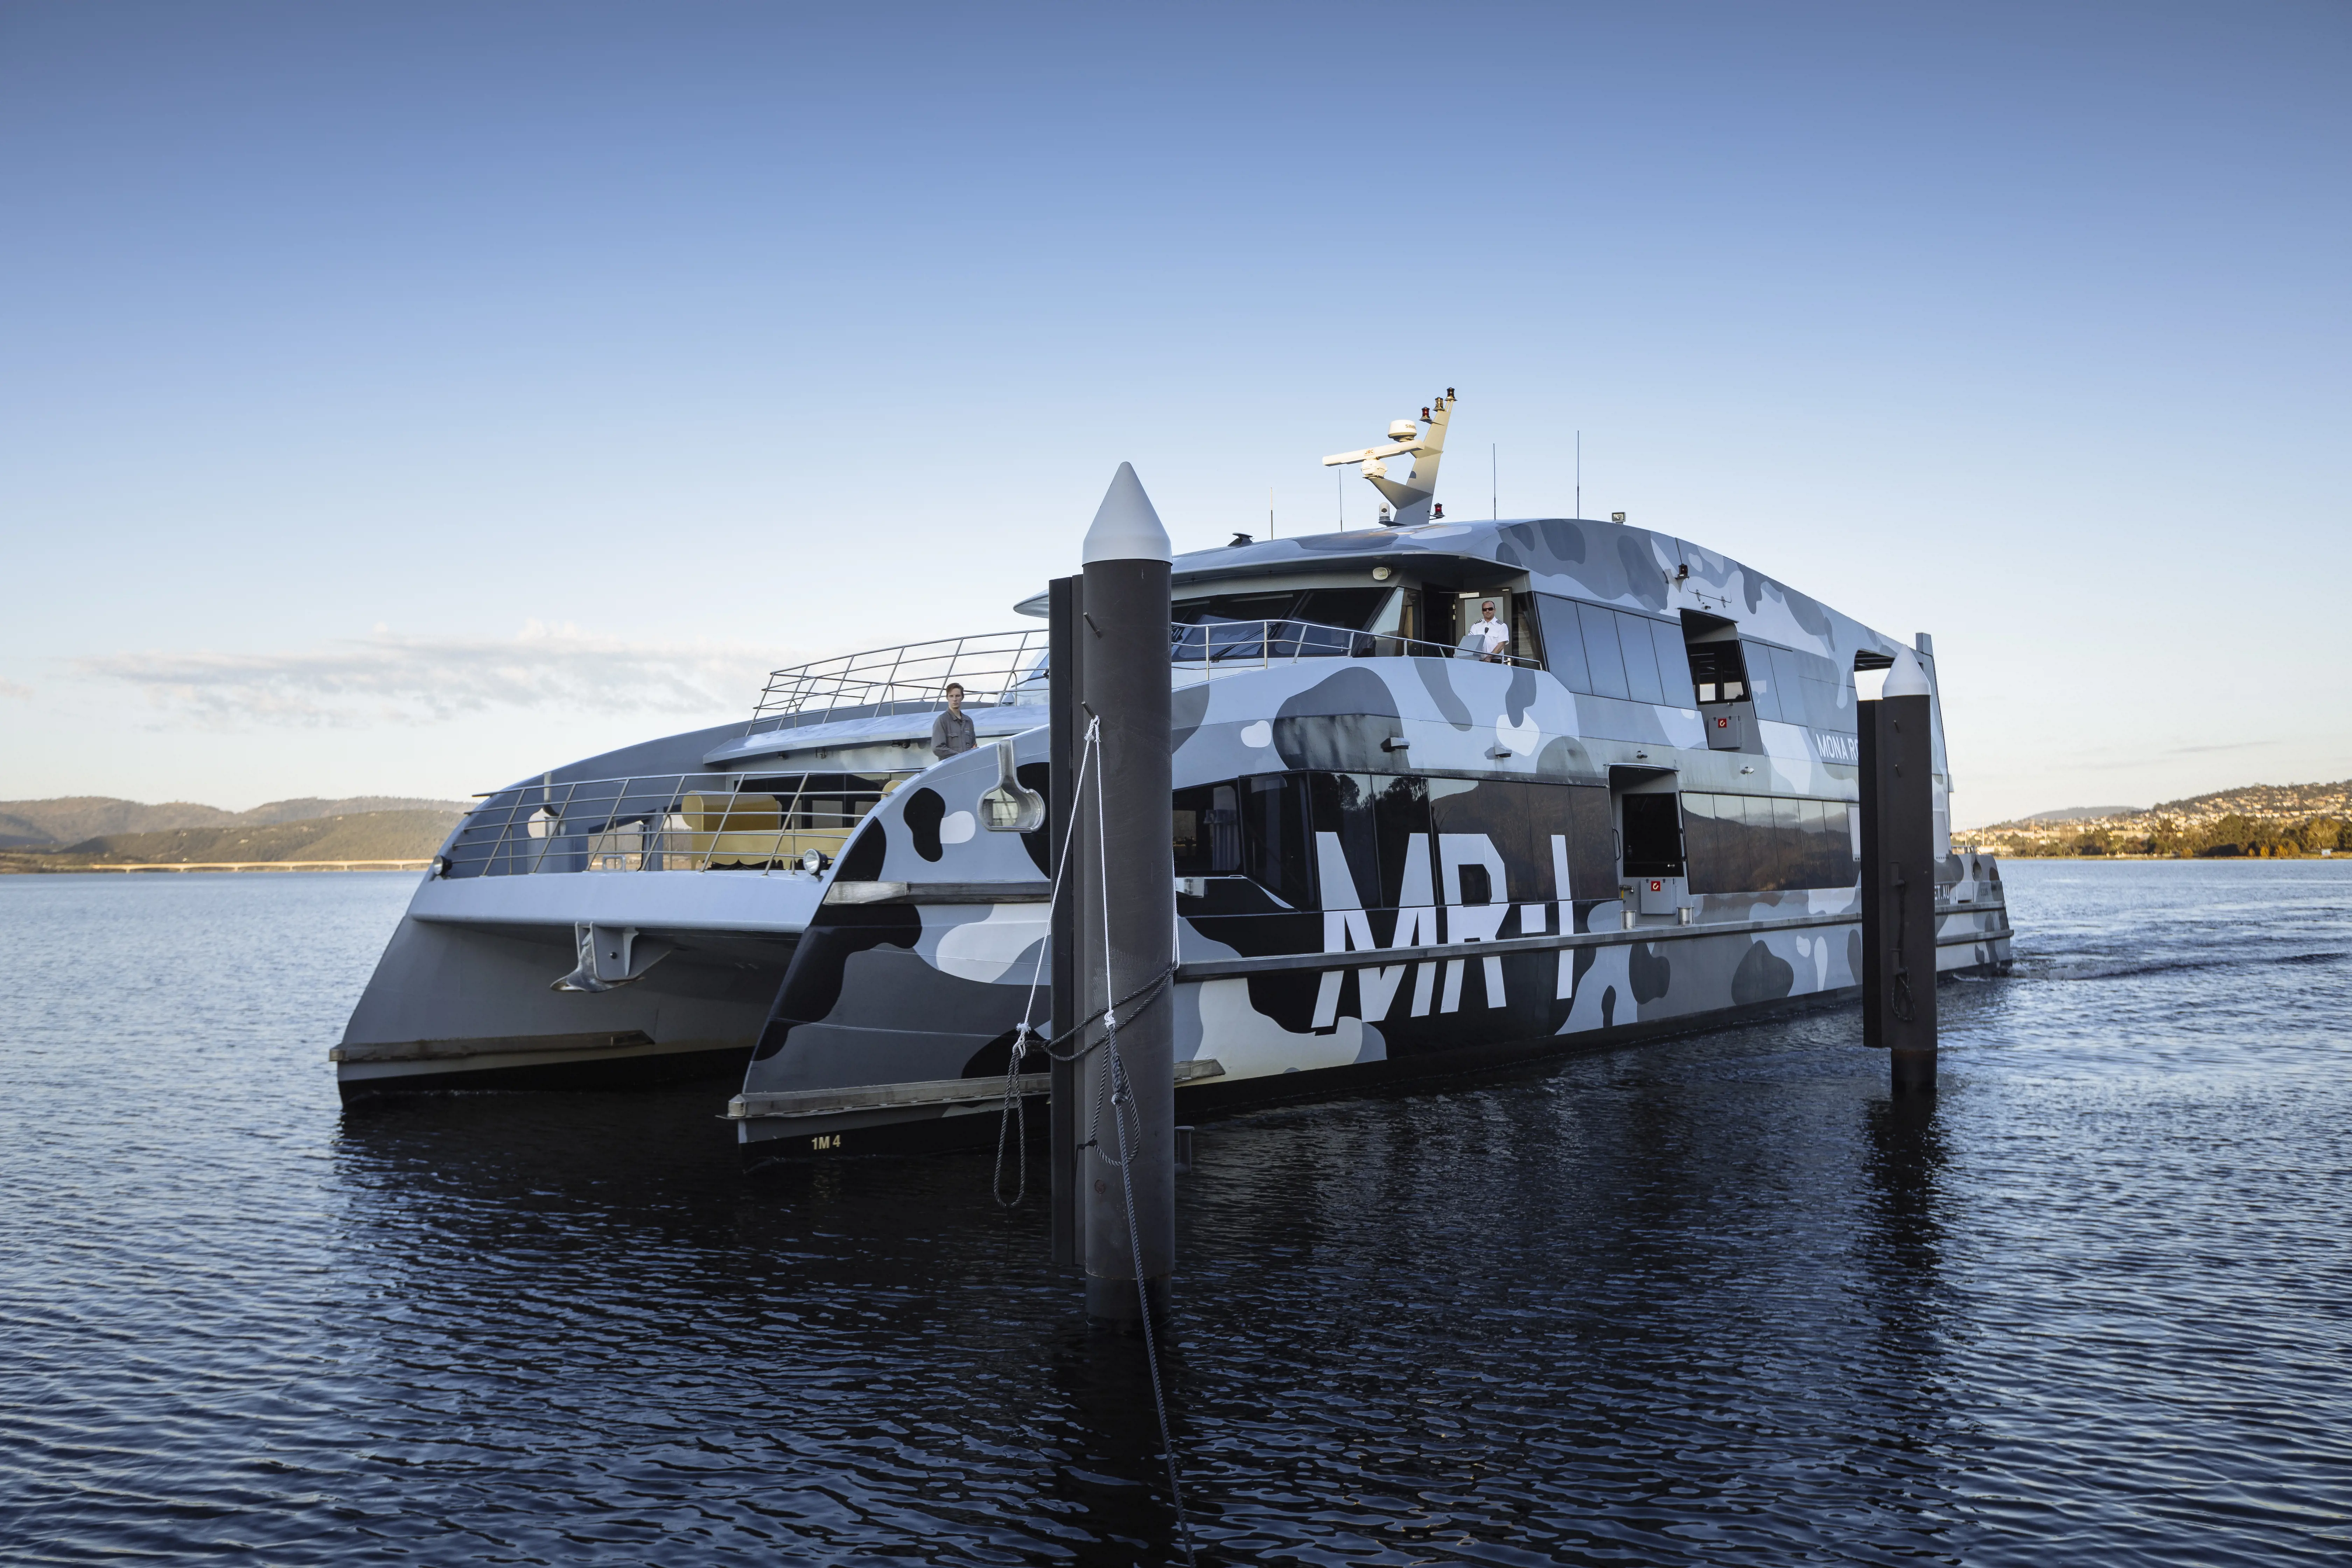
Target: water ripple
(1710,1300)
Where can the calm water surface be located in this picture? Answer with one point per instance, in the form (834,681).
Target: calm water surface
(1705,1301)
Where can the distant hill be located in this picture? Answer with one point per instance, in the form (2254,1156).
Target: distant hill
(352,836)
(73,819)
(2080,813)
(2252,819)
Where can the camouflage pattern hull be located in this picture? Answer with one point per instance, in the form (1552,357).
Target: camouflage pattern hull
(1391,867)
(1424,865)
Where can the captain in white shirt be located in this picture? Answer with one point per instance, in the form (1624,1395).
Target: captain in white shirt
(1490,639)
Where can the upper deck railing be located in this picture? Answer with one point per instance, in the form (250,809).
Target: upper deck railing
(992,668)
(666,822)
(996,669)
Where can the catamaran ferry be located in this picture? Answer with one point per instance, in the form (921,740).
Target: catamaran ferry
(1623,806)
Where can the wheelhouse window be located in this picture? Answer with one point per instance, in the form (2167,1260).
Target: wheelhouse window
(1718,671)
(1290,623)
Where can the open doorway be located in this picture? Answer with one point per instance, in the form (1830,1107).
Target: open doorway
(1651,865)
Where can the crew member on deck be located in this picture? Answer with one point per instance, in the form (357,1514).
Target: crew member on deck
(952,731)
(1494,637)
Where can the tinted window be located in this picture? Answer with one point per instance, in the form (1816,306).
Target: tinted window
(1400,825)
(1673,663)
(1763,681)
(1275,851)
(1789,667)
(1592,850)
(1341,806)
(1563,641)
(1207,830)
(1750,844)
(1702,838)
(1602,651)
(1838,822)
(1504,813)
(1641,657)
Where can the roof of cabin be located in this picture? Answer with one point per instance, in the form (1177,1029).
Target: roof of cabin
(1607,562)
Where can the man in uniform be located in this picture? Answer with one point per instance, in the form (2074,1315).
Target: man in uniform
(1490,639)
(952,731)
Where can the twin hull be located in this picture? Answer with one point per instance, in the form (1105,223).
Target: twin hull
(1388,866)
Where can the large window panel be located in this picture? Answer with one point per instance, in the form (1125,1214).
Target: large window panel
(1751,860)
(1641,657)
(1401,824)
(1276,852)
(1763,681)
(1673,663)
(1704,840)
(1811,818)
(1563,641)
(1838,822)
(1507,812)
(1208,830)
(1592,850)
(1602,651)
(1787,868)
(1791,669)
(1341,806)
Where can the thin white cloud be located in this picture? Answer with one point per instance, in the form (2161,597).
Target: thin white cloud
(390,678)
(9,688)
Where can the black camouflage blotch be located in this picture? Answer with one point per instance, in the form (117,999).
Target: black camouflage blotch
(1854,954)
(923,813)
(1609,1008)
(812,987)
(1649,970)
(1287,999)
(994,1059)
(1337,724)
(1762,976)
(861,861)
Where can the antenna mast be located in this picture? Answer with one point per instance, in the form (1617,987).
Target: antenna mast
(1414,498)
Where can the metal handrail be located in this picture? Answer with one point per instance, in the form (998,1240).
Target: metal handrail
(664,822)
(997,669)
(992,668)
(708,821)
(1257,645)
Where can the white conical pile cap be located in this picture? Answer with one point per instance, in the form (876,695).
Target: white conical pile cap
(1905,678)
(1126,527)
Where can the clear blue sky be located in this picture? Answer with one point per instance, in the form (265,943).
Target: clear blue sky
(403,398)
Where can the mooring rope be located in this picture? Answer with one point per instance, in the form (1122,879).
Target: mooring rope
(1015,1115)
(1016,1110)
(1121,1099)
(1905,1008)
